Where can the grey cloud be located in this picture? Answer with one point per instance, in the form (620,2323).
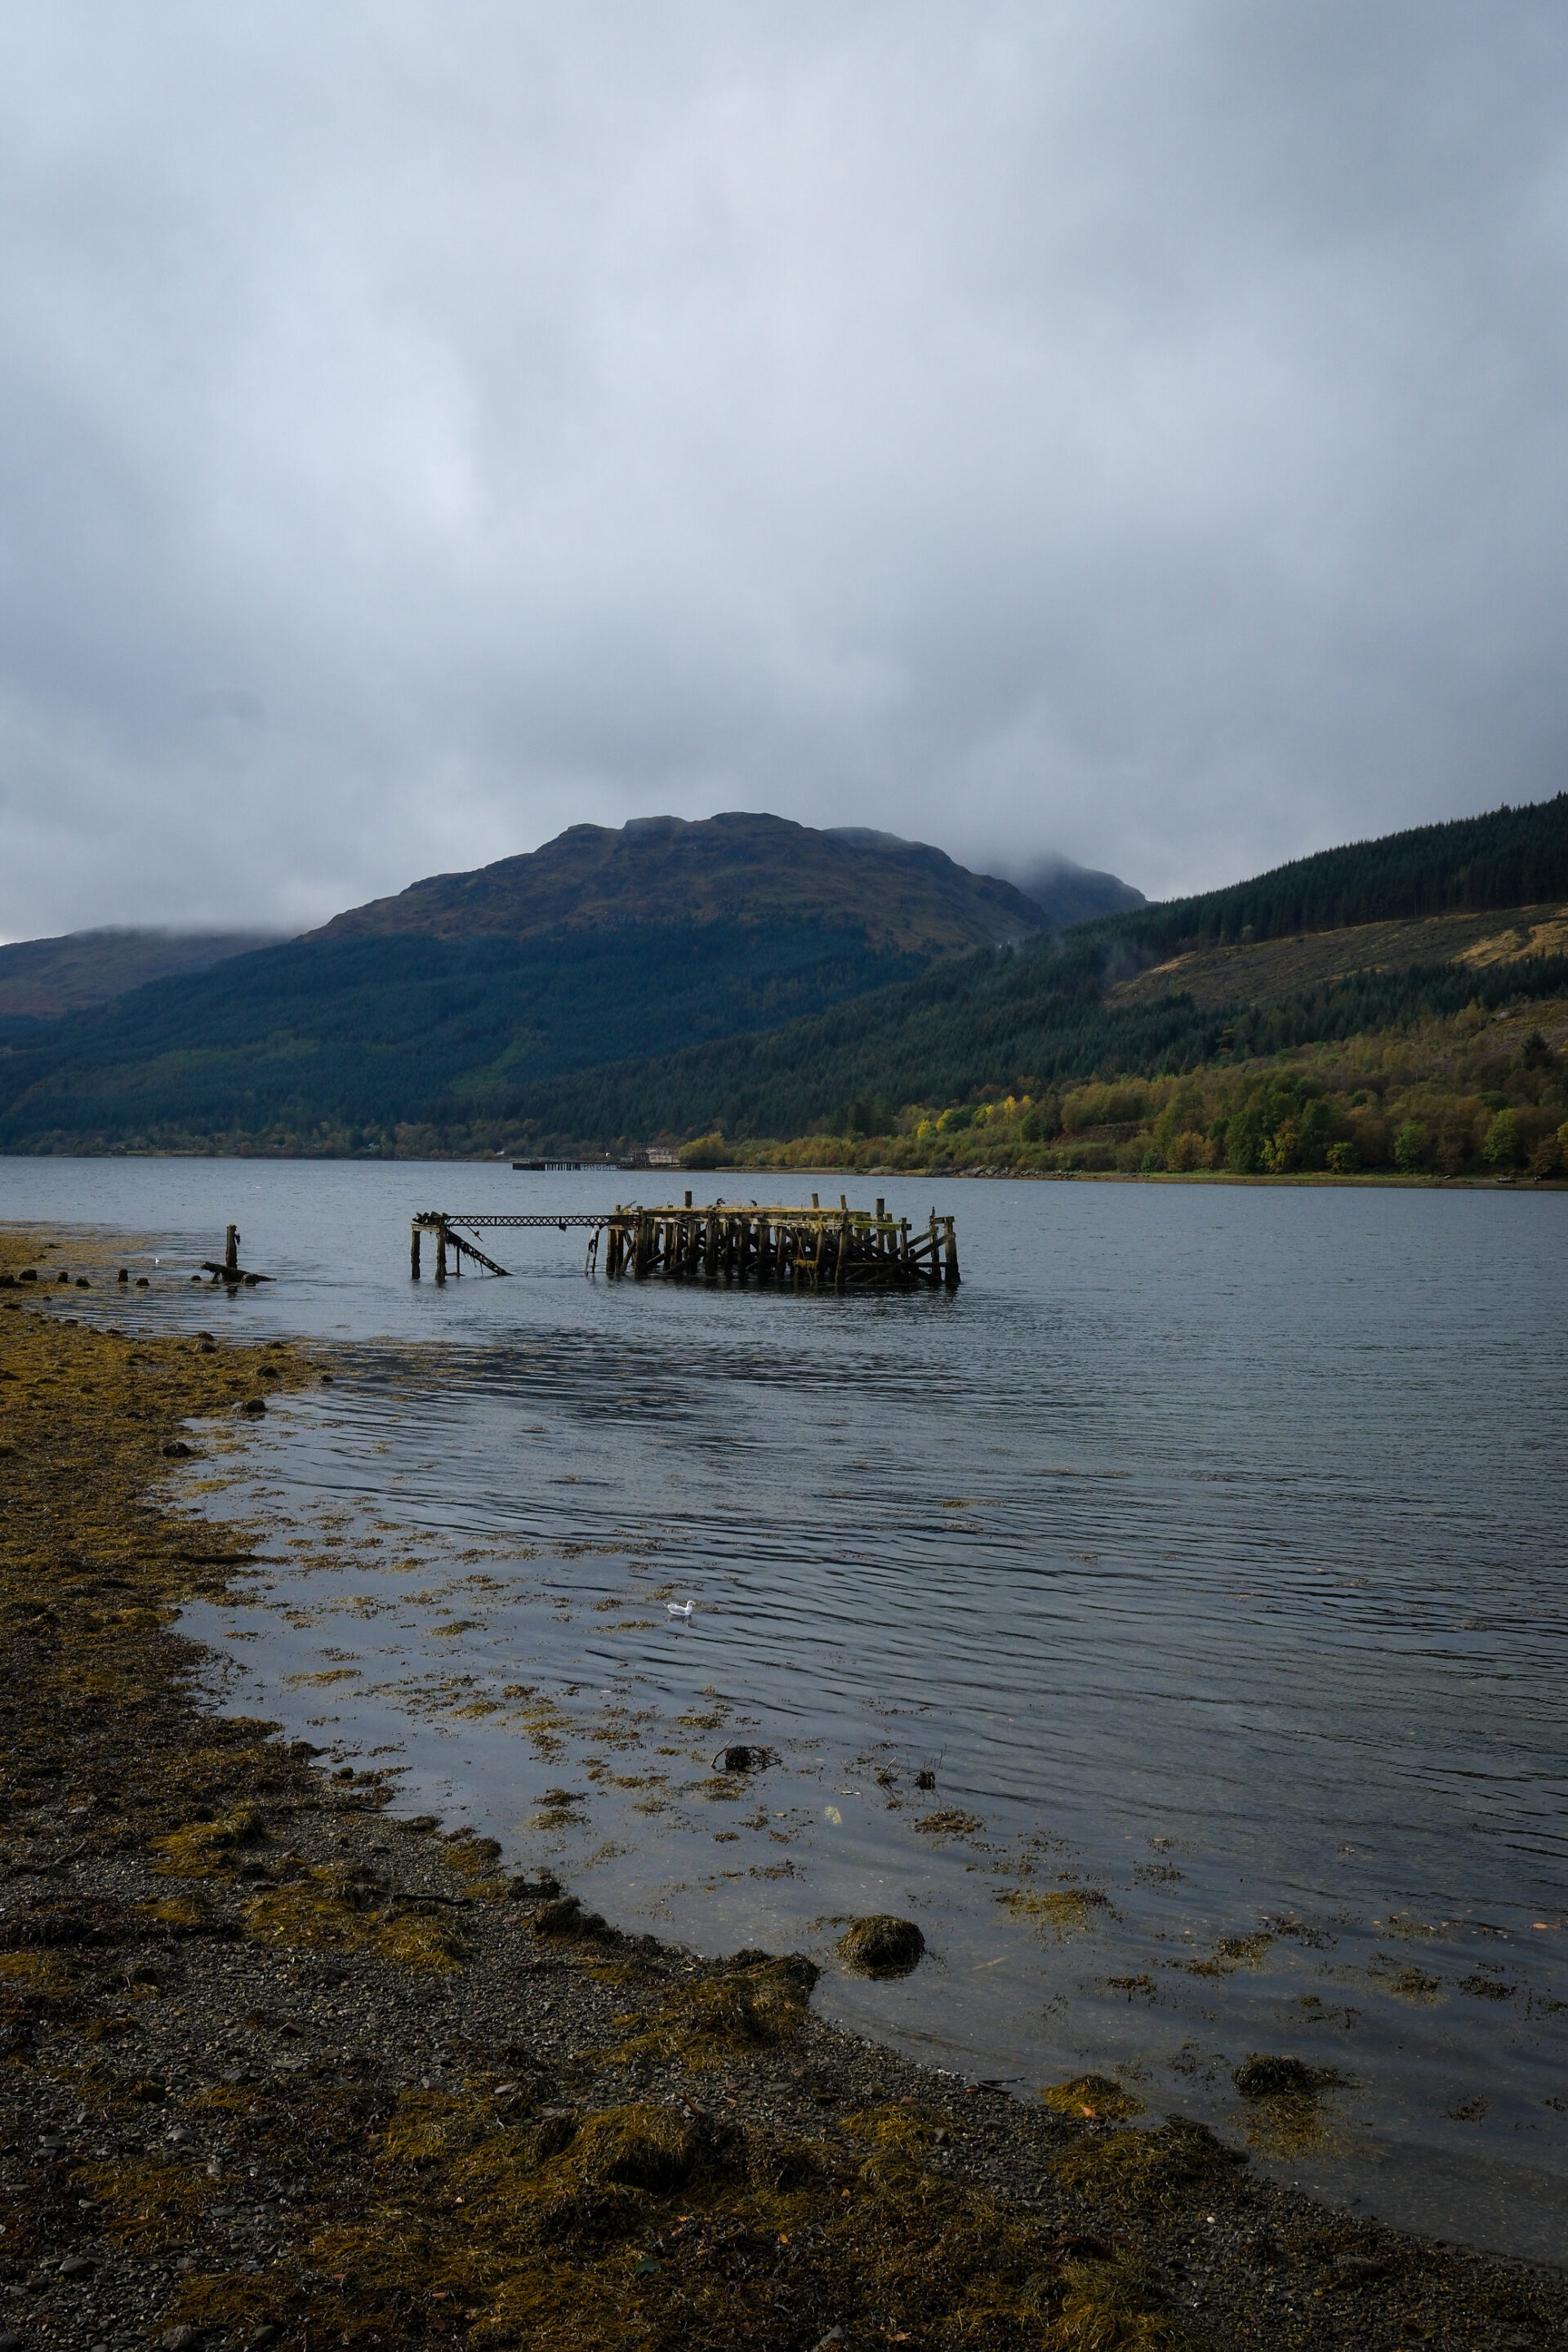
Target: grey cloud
(1135,432)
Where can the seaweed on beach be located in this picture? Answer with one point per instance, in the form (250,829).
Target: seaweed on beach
(272,2061)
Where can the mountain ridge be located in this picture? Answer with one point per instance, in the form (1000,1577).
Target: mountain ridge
(42,979)
(738,867)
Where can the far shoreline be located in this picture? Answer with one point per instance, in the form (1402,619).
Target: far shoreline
(1327,1178)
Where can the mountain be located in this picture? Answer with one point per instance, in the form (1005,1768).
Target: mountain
(40,979)
(1068,894)
(757,977)
(903,897)
(1157,989)
(460,995)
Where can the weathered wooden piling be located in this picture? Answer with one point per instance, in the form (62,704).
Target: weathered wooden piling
(842,1248)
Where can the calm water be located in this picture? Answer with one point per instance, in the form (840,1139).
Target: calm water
(1210,1548)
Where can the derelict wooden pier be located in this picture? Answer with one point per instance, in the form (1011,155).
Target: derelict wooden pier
(808,1249)
(812,1249)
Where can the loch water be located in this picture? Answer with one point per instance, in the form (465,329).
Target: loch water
(1208,1549)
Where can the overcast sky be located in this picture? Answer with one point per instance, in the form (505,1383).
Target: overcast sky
(1133,429)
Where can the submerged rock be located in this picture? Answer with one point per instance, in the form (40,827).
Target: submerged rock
(882,1946)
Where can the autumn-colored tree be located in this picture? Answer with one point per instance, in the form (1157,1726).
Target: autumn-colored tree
(1501,1144)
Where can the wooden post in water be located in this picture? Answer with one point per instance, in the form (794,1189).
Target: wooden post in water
(414,1252)
(950,1275)
(440,1253)
(231,1249)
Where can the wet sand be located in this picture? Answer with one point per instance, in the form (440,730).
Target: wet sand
(279,2069)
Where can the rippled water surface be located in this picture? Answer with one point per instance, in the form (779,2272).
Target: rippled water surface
(1207,1549)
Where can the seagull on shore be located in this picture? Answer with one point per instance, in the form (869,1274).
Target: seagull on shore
(679,1607)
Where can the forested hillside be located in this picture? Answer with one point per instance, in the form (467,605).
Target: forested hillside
(454,1000)
(335,1044)
(1510,857)
(1030,1022)
(41,979)
(1476,1093)
(381,1036)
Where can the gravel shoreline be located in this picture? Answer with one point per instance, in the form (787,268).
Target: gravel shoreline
(278,2069)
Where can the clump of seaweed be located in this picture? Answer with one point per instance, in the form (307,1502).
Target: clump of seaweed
(882,1946)
(204,1847)
(475,1860)
(1230,1953)
(329,1907)
(754,2002)
(950,1820)
(1060,1910)
(1284,2116)
(650,2224)
(1139,2169)
(1404,1979)
(1281,2078)
(46,1974)
(1112,2306)
(1095,2095)
(564,1919)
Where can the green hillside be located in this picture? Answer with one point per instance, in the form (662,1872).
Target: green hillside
(1510,858)
(756,1025)
(41,979)
(469,990)
(1154,991)
(337,1043)
(1031,1020)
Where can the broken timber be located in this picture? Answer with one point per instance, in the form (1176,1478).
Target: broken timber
(808,1249)
(231,1271)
